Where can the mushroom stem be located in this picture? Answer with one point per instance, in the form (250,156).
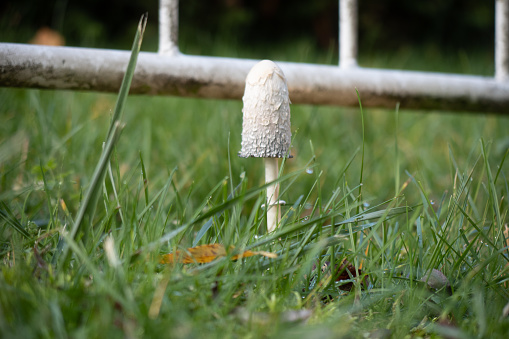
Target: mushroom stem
(273,207)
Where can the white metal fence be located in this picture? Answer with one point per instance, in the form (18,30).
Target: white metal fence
(169,72)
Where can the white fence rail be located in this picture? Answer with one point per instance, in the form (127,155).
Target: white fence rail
(169,72)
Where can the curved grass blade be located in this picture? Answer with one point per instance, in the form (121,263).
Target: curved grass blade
(128,77)
(209,222)
(10,219)
(289,229)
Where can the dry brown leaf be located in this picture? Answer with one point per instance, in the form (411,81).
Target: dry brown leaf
(206,253)
(47,36)
(340,272)
(436,280)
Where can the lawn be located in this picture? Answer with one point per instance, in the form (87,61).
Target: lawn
(395,223)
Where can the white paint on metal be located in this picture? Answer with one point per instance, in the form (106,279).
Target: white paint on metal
(168,27)
(347,33)
(170,73)
(502,40)
(223,78)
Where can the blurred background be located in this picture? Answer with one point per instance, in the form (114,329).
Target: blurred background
(446,32)
(434,35)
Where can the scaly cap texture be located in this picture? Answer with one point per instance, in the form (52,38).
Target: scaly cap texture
(266,114)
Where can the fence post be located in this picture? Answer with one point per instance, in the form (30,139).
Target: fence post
(347,33)
(168,27)
(502,40)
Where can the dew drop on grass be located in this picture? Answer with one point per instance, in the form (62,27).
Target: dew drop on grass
(309,170)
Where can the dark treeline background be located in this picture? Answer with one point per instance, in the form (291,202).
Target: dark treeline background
(383,25)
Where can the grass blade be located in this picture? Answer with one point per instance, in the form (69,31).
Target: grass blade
(11,220)
(89,202)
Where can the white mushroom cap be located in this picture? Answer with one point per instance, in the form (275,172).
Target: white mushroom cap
(266,119)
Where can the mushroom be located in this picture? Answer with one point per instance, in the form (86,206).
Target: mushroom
(266,127)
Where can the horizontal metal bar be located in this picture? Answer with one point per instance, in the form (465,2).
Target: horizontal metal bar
(223,78)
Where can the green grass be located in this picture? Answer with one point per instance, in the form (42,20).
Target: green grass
(434,196)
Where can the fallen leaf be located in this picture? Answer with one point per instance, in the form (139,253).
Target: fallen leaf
(38,257)
(47,36)
(436,280)
(341,274)
(206,253)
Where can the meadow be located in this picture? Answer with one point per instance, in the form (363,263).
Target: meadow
(395,223)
